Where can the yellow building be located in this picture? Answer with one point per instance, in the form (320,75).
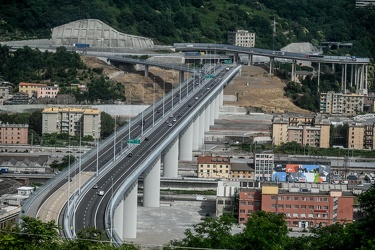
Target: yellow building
(214,167)
(30,88)
(312,131)
(339,103)
(75,121)
(361,136)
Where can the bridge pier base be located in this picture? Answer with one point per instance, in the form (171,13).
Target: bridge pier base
(207,118)
(119,219)
(170,164)
(196,134)
(151,186)
(212,112)
(202,127)
(186,145)
(146,70)
(130,214)
(217,105)
(181,76)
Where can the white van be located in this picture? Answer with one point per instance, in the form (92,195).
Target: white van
(101,193)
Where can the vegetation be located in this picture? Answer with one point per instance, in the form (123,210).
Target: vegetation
(201,20)
(61,68)
(263,230)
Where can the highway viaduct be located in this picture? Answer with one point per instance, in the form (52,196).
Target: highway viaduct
(194,105)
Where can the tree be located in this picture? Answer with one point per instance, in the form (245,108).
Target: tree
(107,125)
(264,230)
(32,233)
(211,233)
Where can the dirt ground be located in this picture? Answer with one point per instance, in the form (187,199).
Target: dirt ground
(253,87)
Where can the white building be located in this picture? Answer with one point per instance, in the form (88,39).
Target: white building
(241,38)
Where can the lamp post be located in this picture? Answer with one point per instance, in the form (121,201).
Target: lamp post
(97,155)
(153,105)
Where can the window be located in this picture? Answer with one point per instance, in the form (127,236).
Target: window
(288,206)
(296,198)
(257,203)
(296,206)
(325,199)
(303,215)
(242,219)
(287,215)
(311,198)
(273,197)
(242,203)
(325,207)
(318,199)
(242,211)
(318,207)
(311,207)
(311,216)
(281,198)
(288,198)
(249,211)
(273,205)
(303,198)
(295,215)
(250,203)
(220,202)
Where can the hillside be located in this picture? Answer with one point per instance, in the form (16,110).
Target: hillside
(263,92)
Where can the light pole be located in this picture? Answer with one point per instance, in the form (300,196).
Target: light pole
(130,99)
(163,91)
(153,105)
(97,156)
(114,142)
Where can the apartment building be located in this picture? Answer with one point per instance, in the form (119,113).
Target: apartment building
(226,197)
(214,167)
(312,131)
(240,171)
(47,92)
(14,134)
(361,136)
(304,207)
(30,88)
(5,91)
(75,121)
(263,164)
(339,103)
(241,38)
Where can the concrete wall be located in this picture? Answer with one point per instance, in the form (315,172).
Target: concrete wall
(97,34)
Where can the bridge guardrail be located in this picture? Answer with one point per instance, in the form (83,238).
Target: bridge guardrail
(128,182)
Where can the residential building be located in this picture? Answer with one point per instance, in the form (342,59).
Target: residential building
(30,88)
(361,136)
(338,103)
(241,38)
(5,91)
(312,131)
(214,167)
(249,201)
(240,171)
(304,207)
(331,103)
(48,92)
(14,134)
(368,103)
(263,164)
(75,121)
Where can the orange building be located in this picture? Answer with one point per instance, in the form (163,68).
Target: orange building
(303,207)
(14,134)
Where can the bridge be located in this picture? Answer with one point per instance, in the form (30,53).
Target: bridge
(357,75)
(102,185)
(100,189)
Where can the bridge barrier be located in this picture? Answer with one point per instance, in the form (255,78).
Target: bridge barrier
(121,191)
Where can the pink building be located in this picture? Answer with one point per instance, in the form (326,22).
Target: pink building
(14,134)
(48,91)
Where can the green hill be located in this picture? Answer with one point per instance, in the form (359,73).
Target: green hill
(201,21)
